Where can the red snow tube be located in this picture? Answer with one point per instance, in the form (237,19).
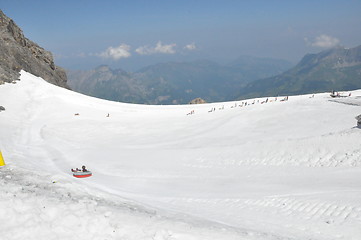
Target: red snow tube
(82,174)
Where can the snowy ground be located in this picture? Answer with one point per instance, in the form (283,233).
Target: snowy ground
(278,170)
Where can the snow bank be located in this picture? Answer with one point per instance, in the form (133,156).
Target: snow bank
(38,206)
(265,170)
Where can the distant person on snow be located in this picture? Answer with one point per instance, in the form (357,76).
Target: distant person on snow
(84,169)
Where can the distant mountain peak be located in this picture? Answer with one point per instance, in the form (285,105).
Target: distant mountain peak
(337,57)
(336,68)
(103,68)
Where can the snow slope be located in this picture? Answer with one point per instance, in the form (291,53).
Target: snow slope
(278,170)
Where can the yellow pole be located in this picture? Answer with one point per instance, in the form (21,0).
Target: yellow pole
(2,162)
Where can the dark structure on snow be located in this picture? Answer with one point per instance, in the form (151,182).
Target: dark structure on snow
(358,118)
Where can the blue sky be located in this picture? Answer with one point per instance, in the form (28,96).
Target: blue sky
(130,34)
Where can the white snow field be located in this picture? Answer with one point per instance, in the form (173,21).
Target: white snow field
(272,171)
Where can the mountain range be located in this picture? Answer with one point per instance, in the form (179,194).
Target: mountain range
(336,69)
(175,82)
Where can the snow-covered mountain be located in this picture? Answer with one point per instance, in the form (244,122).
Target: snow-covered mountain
(253,169)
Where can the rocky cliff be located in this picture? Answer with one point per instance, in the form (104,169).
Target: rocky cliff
(17,52)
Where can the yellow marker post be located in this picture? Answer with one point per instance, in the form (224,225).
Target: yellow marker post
(2,162)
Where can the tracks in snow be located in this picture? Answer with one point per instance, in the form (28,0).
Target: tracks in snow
(307,213)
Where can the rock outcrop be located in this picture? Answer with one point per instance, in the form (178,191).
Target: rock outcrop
(358,118)
(17,52)
(197,101)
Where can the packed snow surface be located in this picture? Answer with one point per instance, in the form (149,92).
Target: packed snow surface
(265,170)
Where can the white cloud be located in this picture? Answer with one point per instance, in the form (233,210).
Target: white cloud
(81,55)
(159,48)
(116,53)
(143,50)
(169,49)
(324,41)
(190,47)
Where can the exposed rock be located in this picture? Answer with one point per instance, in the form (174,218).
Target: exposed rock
(17,53)
(358,118)
(2,108)
(197,101)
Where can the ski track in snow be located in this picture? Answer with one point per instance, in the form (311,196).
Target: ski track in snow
(281,170)
(43,207)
